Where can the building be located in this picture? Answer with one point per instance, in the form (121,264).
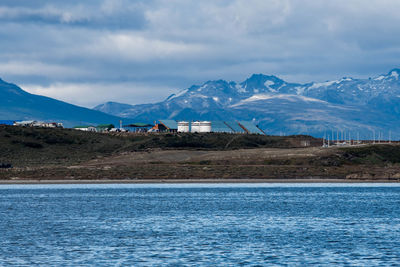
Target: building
(7,122)
(38,124)
(222,127)
(138,127)
(170,126)
(53,125)
(86,128)
(49,124)
(183,127)
(250,127)
(104,127)
(201,127)
(243,127)
(25,123)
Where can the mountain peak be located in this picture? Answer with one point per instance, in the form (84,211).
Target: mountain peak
(256,76)
(395,69)
(357,105)
(260,80)
(395,73)
(111,107)
(261,83)
(218,82)
(262,77)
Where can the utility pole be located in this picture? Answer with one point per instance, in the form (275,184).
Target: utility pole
(337,137)
(373,136)
(350,139)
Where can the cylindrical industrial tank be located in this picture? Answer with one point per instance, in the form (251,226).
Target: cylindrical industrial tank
(195,127)
(183,127)
(205,127)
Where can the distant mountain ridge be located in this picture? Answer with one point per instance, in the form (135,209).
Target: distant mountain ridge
(357,106)
(17,104)
(354,105)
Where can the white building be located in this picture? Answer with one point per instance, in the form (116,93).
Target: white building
(201,127)
(39,124)
(86,128)
(24,123)
(183,127)
(205,126)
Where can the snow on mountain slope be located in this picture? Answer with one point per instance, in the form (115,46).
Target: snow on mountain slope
(361,105)
(292,98)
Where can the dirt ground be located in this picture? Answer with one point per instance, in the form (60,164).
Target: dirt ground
(65,154)
(241,156)
(236,165)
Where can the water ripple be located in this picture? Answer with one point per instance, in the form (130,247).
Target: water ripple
(200,225)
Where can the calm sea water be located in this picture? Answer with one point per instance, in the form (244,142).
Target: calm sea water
(200,225)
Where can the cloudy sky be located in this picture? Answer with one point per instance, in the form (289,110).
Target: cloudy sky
(92,51)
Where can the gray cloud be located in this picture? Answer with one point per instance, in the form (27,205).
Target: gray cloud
(147,49)
(112,15)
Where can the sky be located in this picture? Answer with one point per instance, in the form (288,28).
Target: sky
(93,51)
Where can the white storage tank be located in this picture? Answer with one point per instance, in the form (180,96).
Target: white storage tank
(205,127)
(201,127)
(183,127)
(195,127)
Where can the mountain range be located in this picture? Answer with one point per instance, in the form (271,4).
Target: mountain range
(352,107)
(365,107)
(17,104)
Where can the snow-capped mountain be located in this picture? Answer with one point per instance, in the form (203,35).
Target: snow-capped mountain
(352,105)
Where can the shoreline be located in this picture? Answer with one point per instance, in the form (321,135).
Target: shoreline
(191,181)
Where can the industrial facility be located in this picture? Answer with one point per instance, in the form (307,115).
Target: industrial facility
(160,126)
(244,127)
(32,123)
(194,127)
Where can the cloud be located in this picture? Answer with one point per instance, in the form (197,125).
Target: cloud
(91,94)
(132,46)
(145,49)
(117,14)
(38,68)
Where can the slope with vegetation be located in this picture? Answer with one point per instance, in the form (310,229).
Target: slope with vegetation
(27,146)
(40,153)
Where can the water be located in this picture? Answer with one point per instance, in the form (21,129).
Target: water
(200,225)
